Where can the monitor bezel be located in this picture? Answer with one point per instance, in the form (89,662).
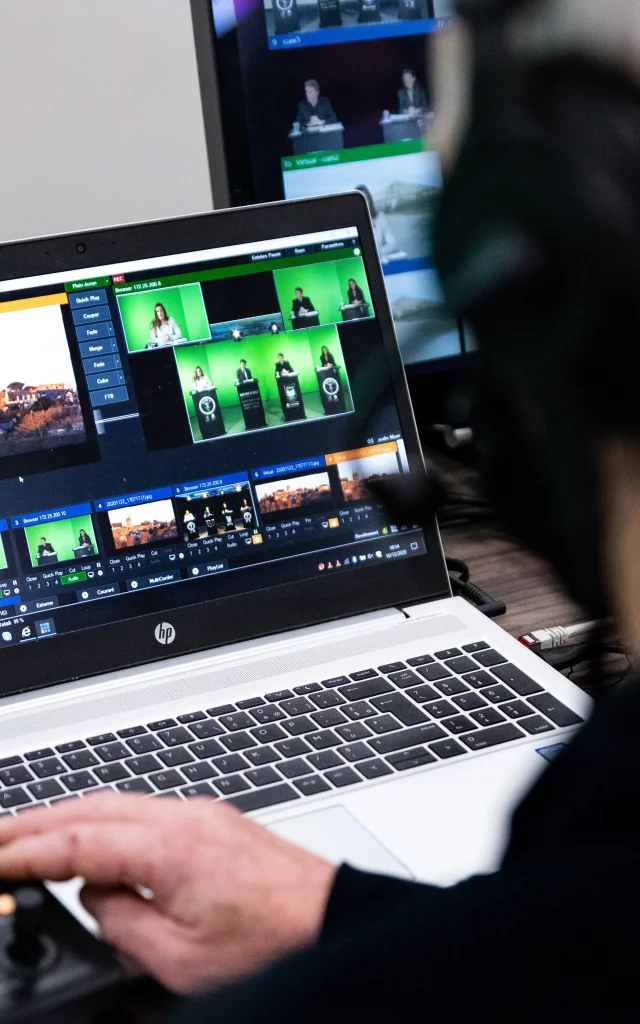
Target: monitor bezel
(222,621)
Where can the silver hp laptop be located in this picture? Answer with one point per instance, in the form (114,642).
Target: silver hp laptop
(200,593)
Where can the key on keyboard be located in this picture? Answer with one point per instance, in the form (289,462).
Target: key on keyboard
(322,736)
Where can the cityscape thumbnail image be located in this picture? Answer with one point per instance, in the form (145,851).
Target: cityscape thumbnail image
(39,404)
(312,492)
(356,474)
(247,327)
(151,523)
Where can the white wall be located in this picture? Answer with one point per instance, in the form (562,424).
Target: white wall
(100,115)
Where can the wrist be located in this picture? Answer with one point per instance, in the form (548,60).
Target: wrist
(305,919)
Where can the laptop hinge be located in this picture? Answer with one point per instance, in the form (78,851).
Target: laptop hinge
(425,609)
(221,656)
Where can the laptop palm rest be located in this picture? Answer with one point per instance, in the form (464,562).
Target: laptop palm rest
(334,834)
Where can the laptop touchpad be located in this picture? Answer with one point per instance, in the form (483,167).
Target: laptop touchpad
(336,835)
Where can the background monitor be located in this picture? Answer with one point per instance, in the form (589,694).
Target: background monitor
(102,115)
(335,96)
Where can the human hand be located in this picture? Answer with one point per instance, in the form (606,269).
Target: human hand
(228,897)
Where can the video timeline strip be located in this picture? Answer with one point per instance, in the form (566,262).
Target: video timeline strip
(223,504)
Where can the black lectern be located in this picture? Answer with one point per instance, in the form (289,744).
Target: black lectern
(331,389)
(329,14)
(251,403)
(208,413)
(84,551)
(48,558)
(285,17)
(355,310)
(291,397)
(305,320)
(409,10)
(369,10)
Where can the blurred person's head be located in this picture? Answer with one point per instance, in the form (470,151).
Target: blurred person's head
(312,91)
(537,246)
(408,79)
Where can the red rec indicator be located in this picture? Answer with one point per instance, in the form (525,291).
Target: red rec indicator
(118,279)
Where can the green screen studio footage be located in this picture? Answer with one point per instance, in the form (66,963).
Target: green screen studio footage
(66,538)
(164,316)
(219,361)
(326,285)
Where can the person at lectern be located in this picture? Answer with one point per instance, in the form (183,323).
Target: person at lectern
(84,540)
(412,99)
(355,295)
(45,548)
(283,366)
(274,329)
(243,372)
(315,110)
(200,380)
(326,359)
(164,329)
(302,304)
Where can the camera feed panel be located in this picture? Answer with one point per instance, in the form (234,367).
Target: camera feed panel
(295,23)
(250,347)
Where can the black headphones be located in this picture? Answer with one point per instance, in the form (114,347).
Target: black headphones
(537,243)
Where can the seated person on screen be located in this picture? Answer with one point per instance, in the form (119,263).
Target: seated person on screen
(355,295)
(84,540)
(283,366)
(315,110)
(164,329)
(243,372)
(385,239)
(200,380)
(302,304)
(45,548)
(326,359)
(412,99)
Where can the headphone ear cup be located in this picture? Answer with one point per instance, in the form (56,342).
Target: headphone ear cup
(545,187)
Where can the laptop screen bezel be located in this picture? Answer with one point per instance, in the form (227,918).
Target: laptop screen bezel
(222,621)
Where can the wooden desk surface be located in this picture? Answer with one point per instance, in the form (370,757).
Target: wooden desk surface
(501,567)
(507,572)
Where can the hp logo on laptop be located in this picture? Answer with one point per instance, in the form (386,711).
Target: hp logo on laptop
(165,633)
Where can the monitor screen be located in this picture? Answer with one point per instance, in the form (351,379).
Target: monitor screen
(187,427)
(334,96)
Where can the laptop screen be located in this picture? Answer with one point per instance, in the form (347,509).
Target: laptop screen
(188,427)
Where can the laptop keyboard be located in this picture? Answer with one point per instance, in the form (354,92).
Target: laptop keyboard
(294,743)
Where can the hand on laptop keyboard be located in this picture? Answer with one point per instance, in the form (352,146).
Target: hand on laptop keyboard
(228,896)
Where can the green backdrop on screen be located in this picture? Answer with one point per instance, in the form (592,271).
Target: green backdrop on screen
(3,557)
(220,360)
(184,303)
(325,284)
(63,537)
(319,283)
(354,268)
